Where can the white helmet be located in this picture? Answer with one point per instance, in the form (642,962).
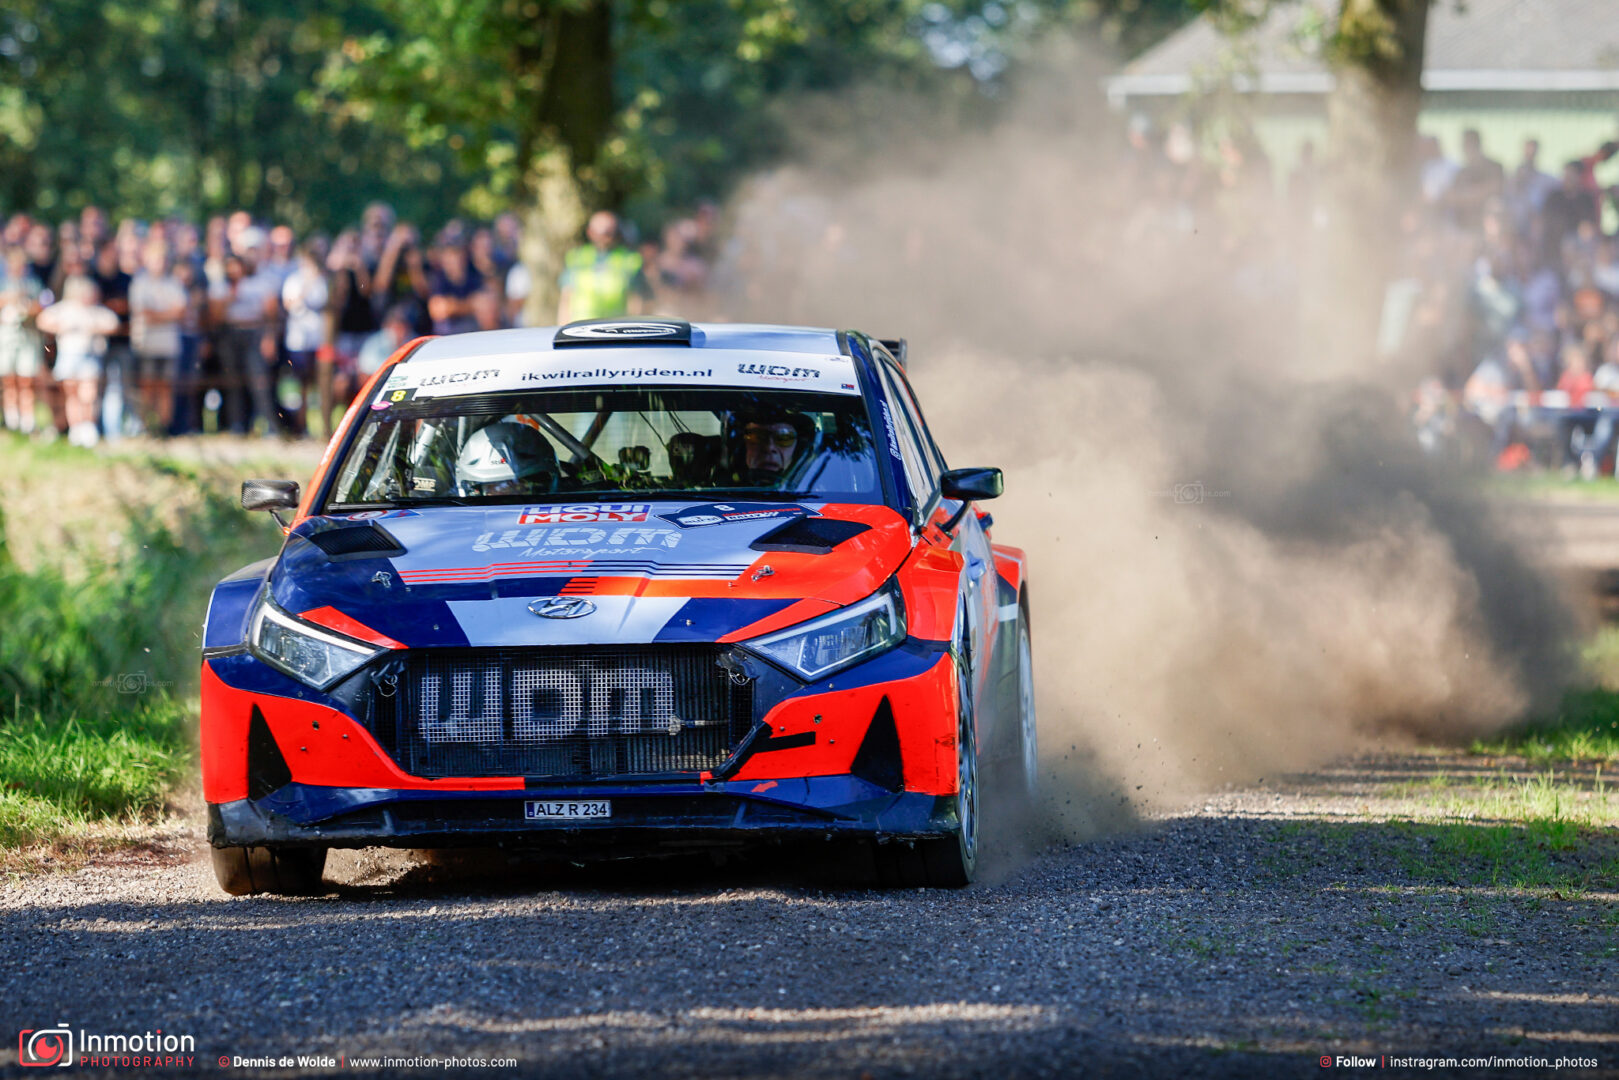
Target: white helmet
(506,453)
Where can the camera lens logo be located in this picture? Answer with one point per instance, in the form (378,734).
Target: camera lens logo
(47,1046)
(132,682)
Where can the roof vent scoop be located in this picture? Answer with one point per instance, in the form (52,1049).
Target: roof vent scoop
(623,332)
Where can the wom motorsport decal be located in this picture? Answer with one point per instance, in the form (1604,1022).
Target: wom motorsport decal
(781,372)
(579,541)
(697,517)
(583,512)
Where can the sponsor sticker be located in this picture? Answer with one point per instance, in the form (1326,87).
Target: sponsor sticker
(576,542)
(373,515)
(583,512)
(781,372)
(893,439)
(697,517)
(494,372)
(451,378)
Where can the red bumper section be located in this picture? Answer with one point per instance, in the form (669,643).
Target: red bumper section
(326,748)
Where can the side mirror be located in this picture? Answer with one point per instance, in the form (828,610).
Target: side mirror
(971,485)
(271,495)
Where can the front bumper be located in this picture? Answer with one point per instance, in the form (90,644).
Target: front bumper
(669,817)
(870,753)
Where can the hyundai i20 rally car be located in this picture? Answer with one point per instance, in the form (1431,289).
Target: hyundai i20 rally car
(621,587)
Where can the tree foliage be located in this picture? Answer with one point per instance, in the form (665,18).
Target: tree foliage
(190,106)
(302,110)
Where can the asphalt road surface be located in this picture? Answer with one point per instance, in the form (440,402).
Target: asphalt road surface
(1252,935)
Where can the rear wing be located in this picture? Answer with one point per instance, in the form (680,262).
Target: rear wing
(897,347)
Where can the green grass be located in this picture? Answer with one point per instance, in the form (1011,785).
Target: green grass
(60,774)
(1552,485)
(99,633)
(1584,729)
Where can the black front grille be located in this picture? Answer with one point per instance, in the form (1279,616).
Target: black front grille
(560,713)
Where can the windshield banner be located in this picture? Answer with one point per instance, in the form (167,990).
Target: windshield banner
(619,367)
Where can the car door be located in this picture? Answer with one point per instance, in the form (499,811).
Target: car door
(923,467)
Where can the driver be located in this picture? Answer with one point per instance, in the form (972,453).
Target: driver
(506,458)
(771,443)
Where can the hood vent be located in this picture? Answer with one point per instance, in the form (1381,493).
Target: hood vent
(809,535)
(368,541)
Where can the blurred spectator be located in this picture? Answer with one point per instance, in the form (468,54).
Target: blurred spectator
(1436,170)
(247,343)
(401,277)
(40,246)
(450,299)
(396,330)
(304,297)
(1527,188)
(81,326)
(601,278)
(157,306)
(112,283)
(1479,180)
(20,299)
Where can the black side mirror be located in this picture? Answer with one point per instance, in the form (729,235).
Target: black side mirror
(271,495)
(969,485)
(972,484)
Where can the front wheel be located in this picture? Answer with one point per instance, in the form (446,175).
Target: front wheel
(248,871)
(1028,739)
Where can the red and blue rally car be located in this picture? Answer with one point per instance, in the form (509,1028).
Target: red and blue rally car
(621,586)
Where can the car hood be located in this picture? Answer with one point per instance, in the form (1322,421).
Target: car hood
(666,571)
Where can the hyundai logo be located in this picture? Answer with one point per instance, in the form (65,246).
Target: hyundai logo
(561,607)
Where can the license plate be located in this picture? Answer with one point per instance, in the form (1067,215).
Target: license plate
(567,809)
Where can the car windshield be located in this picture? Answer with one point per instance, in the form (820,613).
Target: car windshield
(596,444)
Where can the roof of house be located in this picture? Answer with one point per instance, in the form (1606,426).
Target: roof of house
(1480,45)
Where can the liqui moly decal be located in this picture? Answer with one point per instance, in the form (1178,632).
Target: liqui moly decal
(567,514)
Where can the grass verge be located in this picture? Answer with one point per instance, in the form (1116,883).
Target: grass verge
(100,621)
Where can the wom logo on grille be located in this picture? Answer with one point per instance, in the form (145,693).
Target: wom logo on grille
(560,701)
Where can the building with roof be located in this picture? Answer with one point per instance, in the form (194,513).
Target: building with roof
(1514,69)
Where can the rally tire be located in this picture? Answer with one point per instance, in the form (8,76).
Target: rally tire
(249,871)
(1028,740)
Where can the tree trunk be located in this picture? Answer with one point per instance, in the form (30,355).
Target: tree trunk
(1376,57)
(553,219)
(570,118)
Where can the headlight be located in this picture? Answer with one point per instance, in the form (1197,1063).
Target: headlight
(818,648)
(303,650)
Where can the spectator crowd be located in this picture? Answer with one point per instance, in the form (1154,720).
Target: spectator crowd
(164,328)
(1513,292)
(1503,314)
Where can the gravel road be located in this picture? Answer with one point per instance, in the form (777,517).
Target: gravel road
(1250,935)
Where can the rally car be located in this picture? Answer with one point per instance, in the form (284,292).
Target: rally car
(616,588)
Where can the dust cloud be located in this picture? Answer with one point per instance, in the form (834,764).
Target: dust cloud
(1241,562)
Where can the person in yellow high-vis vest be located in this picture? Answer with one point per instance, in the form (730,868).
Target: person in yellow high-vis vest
(603,278)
